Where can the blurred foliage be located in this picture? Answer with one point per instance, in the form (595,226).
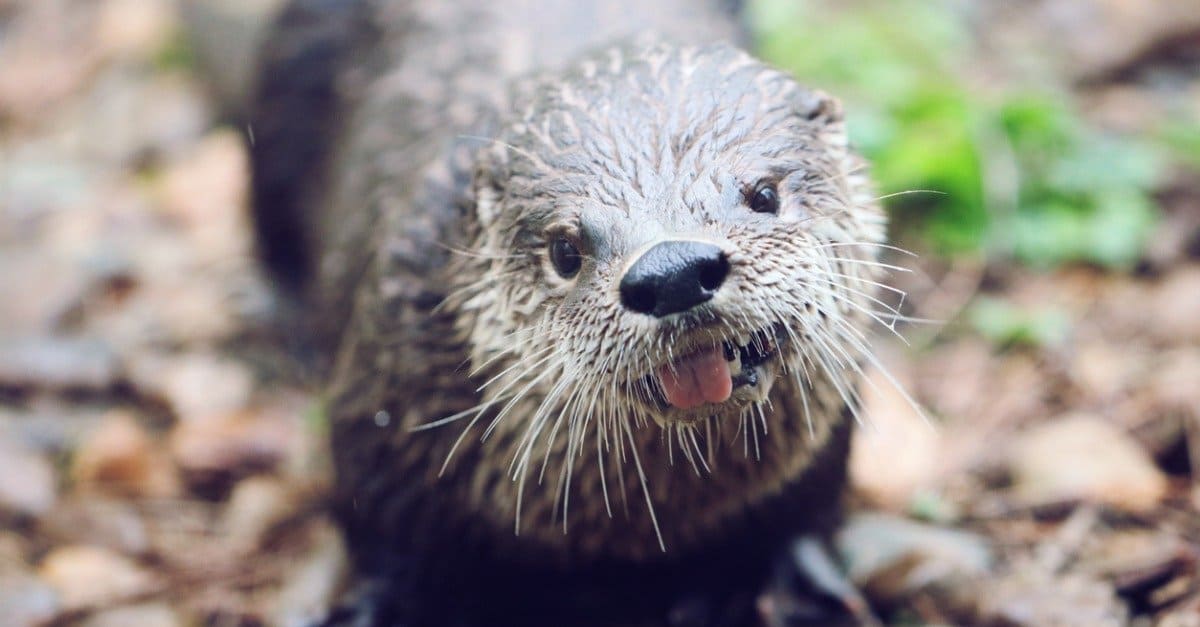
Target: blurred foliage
(175,54)
(1183,139)
(316,418)
(1005,324)
(1020,173)
(933,507)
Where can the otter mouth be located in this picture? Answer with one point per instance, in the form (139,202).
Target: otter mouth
(716,375)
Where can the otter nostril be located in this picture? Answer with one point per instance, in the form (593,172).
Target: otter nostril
(638,298)
(713,273)
(673,276)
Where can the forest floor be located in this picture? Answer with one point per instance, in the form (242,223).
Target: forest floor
(157,468)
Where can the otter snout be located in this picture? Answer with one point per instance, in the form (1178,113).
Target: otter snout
(673,276)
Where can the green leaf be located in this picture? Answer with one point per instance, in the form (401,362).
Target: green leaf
(1077,194)
(1006,325)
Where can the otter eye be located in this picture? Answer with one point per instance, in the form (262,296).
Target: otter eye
(765,199)
(565,257)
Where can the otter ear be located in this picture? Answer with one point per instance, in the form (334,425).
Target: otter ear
(825,112)
(815,105)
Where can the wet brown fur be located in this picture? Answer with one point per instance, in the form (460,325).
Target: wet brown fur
(455,161)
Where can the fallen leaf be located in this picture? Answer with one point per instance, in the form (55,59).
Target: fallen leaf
(1084,457)
(89,576)
(894,456)
(144,615)
(121,458)
(28,482)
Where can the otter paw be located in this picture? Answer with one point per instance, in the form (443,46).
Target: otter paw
(811,588)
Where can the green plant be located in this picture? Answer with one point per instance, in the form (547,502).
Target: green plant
(1020,173)
(1005,324)
(1182,137)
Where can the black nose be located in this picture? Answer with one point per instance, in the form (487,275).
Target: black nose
(672,277)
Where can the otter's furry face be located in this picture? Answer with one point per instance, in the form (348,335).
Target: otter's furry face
(705,149)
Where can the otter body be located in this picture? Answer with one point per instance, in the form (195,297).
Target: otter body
(594,282)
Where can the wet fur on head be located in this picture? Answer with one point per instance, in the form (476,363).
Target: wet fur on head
(641,143)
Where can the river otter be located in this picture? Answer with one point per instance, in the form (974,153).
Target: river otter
(597,281)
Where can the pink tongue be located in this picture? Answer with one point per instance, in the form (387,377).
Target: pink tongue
(696,379)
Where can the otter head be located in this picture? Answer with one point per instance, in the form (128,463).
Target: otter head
(661,235)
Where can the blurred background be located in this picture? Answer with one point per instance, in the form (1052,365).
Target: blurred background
(160,463)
